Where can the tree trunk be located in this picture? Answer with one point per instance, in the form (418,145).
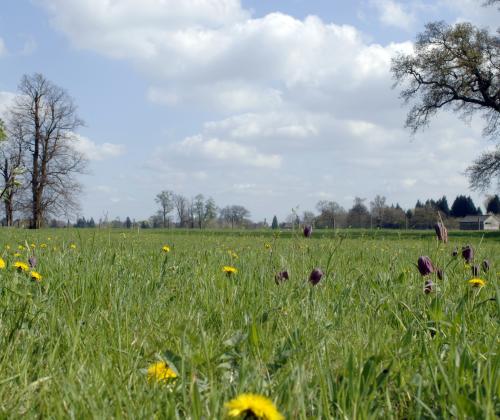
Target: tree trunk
(36,210)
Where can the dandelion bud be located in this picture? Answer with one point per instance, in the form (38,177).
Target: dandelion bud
(32,261)
(425,265)
(475,270)
(468,253)
(308,231)
(485,265)
(315,276)
(455,253)
(440,274)
(428,286)
(441,232)
(281,277)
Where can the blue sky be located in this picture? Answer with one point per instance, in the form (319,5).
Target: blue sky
(272,104)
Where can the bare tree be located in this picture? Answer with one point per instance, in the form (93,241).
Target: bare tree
(48,117)
(181,205)
(378,209)
(11,170)
(199,209)
(166,201)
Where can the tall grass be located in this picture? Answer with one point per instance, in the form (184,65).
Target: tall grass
(366,342)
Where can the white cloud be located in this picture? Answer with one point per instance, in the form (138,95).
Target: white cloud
(227,152)
(393,13)
(94,151)
(3,48)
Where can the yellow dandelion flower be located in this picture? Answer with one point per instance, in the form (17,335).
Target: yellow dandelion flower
(229,270)
(72,246)
(21,266)
(267,246)
(232,254)
(35,276)
(477,282)
(49,238)
(20,248)
(17,254)
(33,246)
(165,248)
(253,406)
(2,263)
(160,372)
(43,245)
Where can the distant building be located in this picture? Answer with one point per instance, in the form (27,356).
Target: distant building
(484,222)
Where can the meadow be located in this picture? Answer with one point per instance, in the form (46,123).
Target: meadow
(365,342)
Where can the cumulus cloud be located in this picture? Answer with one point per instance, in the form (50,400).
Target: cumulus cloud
(301,105)
(227,152)
(94,151)
(393,13)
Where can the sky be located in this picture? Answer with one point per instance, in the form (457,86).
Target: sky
(270,104)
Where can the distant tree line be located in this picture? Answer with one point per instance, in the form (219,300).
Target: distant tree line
(177,211)
(378,214)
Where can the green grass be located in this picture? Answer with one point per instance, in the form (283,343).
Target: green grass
(364,343)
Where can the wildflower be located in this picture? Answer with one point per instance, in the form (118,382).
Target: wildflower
(20,248)
(477,282)
(267,246)
(281,277)
(33,246)
(165,249)
(428,286)
(485,266)
(315,276)
(43,245)
(468,253)
(32,261)
(425,266)
(308,231)
(35,276)
(249,406)
(21,266)
(160,372)
(72,246)
(229,270)
(2,263)
(475,270)
(440,273)
(441,232)
(17,254)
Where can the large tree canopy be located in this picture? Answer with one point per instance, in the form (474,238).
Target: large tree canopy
(453,66)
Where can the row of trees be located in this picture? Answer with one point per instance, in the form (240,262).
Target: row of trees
(379,214)
(38,162)
(197,212)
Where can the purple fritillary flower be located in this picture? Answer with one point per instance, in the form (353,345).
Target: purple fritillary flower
(425,265)
(315,276)
(485,265)
(468,253)
(281,277)
(32,261)
(440,274)
(441,232)
(308,230)
(428,286)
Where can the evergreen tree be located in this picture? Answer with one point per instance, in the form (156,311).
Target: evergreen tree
(274,224)
(442,205)
(463,206)
(493,205)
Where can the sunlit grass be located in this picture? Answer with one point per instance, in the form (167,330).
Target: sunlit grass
(365,342)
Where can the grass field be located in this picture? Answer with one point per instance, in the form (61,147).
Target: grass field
(366,342)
